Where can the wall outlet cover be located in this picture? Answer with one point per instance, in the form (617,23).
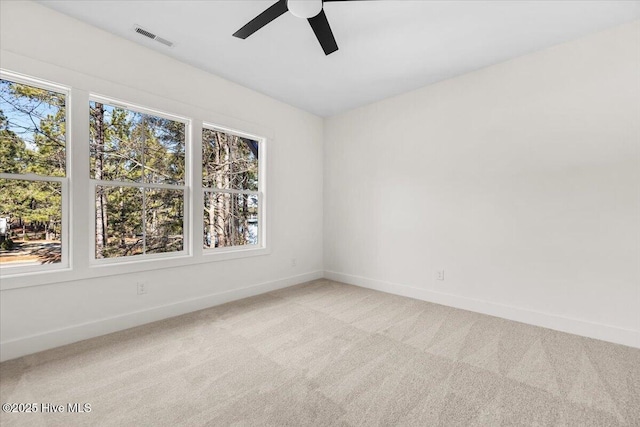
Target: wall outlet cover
(142,288)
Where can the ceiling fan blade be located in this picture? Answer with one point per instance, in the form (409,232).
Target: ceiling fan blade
(261,20)
(323,32)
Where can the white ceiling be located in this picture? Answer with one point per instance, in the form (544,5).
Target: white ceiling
(386,47)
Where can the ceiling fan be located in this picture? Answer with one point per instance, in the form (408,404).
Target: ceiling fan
(311,10)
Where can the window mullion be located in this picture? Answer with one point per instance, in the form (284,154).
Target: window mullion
(33,177)
(136,184)
(229,190)
(82,214)
(194,156)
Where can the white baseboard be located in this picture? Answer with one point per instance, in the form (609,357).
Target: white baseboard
(584,328)
(55,338)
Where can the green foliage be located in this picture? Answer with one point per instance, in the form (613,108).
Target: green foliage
(32,130)
(6,245)
(32,141)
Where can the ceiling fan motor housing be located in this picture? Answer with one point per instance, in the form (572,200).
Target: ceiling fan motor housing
(304,8)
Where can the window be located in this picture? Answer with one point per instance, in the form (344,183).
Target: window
(138,175)
(137,199)
(231,190)
(33,170)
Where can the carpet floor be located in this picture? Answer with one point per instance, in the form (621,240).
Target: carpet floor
(325,353)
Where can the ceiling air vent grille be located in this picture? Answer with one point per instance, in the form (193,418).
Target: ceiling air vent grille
(152,36)
(164,41)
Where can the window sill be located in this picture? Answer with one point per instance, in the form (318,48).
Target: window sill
(95,270)
(224,254)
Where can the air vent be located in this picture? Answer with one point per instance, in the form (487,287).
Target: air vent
(164,41)
(145,33)
(152,36)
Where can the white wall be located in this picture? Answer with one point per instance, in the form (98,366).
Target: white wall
(521,181)
(63,50)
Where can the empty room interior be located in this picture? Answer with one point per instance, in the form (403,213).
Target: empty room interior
(319,213)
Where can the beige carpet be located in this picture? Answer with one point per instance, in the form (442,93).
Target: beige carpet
(324,353)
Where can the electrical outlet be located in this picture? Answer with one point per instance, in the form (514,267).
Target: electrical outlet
(142,288)
(294,262)
(440,275)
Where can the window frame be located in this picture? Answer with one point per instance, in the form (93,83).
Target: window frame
(65,239)
(240,250)
(79,215)
(186,188)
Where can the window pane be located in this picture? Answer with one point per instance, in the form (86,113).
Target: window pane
(134,147)
(229,161)
(118,222)
(120,229)
(32,130)
(30,223)
(115,144)
(164,151)
(230,219)
(164,220)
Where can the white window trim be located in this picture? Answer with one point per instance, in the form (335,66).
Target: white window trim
(261,246)
(186,222)
(114,102)
(65,240)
